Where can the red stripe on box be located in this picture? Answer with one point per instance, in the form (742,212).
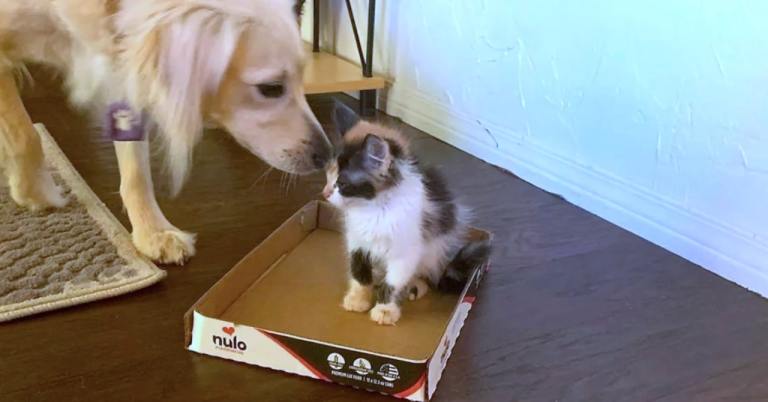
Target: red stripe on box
(469,299)
(301,360)
(413,388)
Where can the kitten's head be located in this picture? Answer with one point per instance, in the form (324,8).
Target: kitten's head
(366,162)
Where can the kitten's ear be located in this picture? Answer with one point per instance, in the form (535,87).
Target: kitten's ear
(375,151)
(344,118)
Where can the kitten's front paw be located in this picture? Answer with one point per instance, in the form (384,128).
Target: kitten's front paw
(357,301)
(385,314)
(417,289)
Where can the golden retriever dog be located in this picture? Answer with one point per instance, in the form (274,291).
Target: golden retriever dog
(181,65)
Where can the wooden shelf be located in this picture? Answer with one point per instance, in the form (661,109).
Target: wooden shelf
(328,73)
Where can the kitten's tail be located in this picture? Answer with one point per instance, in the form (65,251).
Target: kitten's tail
(471,256)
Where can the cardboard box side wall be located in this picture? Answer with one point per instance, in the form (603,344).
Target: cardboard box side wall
(237,280)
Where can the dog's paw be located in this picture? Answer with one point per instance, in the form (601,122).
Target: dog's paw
(417,289)
(385,314)
(170,246)
(358,300)
(37,193)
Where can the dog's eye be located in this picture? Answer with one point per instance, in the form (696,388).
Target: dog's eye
(271,89)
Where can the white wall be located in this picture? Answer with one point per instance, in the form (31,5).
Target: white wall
(653,114)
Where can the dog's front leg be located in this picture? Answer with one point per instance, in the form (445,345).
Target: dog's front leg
(152,234)
(21,154)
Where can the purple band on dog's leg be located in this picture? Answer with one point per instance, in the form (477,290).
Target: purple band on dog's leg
(123,123)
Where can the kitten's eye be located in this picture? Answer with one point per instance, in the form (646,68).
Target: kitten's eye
(271,89)
(342,184)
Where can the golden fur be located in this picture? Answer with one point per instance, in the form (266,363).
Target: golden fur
(187,63)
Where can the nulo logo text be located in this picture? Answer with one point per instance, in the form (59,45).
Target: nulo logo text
(229,341)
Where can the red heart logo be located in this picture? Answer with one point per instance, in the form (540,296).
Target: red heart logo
(229,330)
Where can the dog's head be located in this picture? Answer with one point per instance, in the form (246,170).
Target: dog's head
(237,63)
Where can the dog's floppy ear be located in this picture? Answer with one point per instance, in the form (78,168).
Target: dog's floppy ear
(298,9)
(175,60)
(196,53)
(344,118)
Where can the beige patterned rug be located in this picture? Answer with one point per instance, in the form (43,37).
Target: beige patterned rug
(64,257)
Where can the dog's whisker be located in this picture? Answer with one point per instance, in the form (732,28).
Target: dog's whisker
(282,187)
(293,179)
(288,184)
(262,177)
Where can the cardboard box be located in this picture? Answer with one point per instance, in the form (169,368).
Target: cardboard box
(280,307)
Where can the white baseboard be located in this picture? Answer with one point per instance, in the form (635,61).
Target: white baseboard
(720,248)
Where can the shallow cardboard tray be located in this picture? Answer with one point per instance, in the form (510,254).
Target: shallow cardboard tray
(279,307)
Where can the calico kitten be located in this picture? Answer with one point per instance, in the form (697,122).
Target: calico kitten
(403,229)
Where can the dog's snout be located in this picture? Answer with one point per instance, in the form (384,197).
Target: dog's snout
(318,160)
(321,150)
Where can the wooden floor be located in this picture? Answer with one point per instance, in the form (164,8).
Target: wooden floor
(574,309)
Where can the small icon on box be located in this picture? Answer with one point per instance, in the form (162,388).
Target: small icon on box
(389,372)
(361,366)
(336,361)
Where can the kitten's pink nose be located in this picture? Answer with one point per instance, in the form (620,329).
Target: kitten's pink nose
(327,191)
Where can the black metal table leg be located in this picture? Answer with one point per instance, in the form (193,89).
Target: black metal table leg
(316,26)
(368,97)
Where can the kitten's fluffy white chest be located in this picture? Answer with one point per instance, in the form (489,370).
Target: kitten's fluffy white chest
(390,225)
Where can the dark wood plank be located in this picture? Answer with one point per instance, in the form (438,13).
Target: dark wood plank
(574,308)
